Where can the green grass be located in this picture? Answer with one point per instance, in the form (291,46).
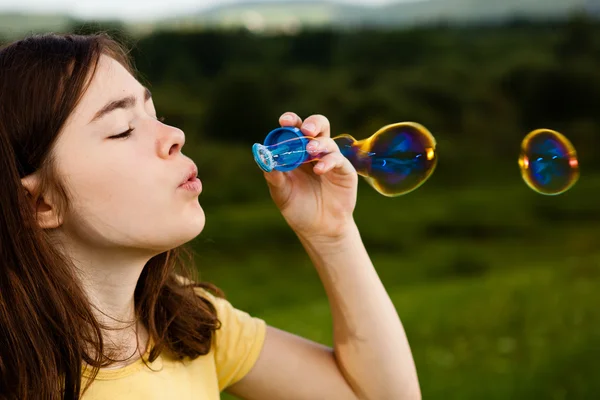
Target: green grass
(529,333)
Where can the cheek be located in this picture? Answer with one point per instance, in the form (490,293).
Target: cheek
(113,189)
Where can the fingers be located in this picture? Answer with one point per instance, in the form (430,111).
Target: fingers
(334,161)
(276,179)
(316,125)
(313,126)
(322,145)
(290,119)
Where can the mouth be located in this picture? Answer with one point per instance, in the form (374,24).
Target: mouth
(190,181)
(190,176)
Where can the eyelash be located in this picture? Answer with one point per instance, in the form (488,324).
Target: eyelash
(123,135)
(127,133)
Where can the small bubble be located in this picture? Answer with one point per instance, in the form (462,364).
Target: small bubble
(548,162)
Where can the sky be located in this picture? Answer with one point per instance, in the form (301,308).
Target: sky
(129,9)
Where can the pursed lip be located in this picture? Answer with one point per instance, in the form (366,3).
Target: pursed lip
(191,174)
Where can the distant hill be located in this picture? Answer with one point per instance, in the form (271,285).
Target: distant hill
(282,15)
(475,10)
(19,24)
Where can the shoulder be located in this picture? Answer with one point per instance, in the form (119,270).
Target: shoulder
(225,310)
(238,341)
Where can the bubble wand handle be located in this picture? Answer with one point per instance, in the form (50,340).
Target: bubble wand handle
(395,160)
(286,155)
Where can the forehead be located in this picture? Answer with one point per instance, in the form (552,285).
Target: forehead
(111,81)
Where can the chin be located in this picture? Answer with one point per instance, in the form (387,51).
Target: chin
(183,229)
(193,227)
(180,238)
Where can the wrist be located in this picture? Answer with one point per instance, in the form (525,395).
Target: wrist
(344,232)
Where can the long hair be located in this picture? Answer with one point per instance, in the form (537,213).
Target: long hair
(47,327)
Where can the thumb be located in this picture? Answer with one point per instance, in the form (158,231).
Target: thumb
(275,179)
(279,187)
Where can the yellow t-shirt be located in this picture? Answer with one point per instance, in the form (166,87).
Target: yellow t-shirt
(235,350)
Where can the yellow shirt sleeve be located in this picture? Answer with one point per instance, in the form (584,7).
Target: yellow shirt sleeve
(237,343)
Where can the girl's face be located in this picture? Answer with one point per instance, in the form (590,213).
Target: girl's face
(125,188)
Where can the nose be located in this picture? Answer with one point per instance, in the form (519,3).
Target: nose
(170,141)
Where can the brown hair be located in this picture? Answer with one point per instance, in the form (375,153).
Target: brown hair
(47,328)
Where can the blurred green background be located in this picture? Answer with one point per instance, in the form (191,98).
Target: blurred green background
(496,285)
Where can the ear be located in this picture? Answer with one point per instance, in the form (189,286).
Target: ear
(46,210)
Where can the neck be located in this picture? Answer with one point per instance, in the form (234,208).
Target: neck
(109,277)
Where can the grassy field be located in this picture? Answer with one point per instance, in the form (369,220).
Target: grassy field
(495,284)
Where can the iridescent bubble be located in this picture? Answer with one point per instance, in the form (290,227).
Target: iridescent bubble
(548,162)
(396,160)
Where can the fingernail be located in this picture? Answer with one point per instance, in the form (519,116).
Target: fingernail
(310,127)
(287,117)
(313,145)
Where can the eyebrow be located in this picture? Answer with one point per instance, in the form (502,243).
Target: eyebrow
(126,102)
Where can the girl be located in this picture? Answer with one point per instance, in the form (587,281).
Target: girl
(95,299)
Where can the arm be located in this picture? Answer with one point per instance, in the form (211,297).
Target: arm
(371,358)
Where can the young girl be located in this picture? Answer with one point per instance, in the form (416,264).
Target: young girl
(95,300)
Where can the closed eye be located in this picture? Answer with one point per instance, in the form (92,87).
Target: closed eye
(122,135)
(127,133)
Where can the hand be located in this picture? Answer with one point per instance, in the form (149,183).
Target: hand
(316,200)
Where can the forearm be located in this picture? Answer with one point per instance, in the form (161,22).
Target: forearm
(370,344)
